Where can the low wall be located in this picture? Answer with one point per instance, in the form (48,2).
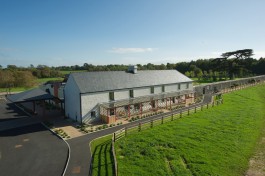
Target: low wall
(219,86)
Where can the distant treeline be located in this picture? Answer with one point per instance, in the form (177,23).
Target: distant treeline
(230,65)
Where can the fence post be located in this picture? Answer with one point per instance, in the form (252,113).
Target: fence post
(162,120)
(195,109)
(172,117)
(180,115)
(114,137)
(151,123)
(125,131)
(207,105)
(213,104)
(188,110)
(201,107)
(139,127)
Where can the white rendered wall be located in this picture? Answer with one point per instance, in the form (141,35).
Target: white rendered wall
(171,88)
(138,92)
(72,100)
(90,101)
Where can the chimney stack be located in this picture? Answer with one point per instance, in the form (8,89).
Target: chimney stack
(132,69)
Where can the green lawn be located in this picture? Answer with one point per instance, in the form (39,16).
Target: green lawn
(64,72)
(217,141)
(44,80)
(16,89)
(103,160)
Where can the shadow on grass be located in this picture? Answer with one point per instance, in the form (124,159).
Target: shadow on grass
(101,155)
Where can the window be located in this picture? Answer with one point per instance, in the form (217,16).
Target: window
(137,106)
(153,104)
(179,86)
(111,96)
(93,113)
(112,112)
(187,85)
(152,89)
(131,93)
(163,88)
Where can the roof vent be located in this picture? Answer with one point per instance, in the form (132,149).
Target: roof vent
(132,69)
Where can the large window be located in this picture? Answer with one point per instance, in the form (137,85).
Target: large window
(131,93)
(187,85)
(111,96)
(152,89)
(163,88)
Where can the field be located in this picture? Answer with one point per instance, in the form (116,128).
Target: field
(44,80)
(217,141)
(16,89)
(64,72)
(38,81)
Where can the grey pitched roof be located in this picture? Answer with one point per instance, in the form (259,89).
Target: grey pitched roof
(30,95)
(113,80)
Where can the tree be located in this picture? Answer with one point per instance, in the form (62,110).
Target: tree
(232,65)
(199,75)
(11,67)
(239,54)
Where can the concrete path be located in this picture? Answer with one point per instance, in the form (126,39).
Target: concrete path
(80,150)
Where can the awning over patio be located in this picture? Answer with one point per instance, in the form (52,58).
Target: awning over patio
(144,99)
(30,96)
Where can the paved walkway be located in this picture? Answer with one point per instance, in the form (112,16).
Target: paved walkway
(67,126)
(80,150)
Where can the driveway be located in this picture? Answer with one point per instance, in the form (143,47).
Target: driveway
(26,146)
(31,150)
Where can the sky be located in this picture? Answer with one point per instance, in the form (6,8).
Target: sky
(100,32)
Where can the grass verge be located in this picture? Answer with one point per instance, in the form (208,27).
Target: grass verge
(102,154)
(217,141)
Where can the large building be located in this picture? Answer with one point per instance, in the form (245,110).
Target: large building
(111,95)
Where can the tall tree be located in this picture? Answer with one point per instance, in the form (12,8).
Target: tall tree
(239,54)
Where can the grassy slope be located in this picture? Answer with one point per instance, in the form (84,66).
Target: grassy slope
(103,162)
(218,141)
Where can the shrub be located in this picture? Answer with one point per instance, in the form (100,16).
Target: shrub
(105,126)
